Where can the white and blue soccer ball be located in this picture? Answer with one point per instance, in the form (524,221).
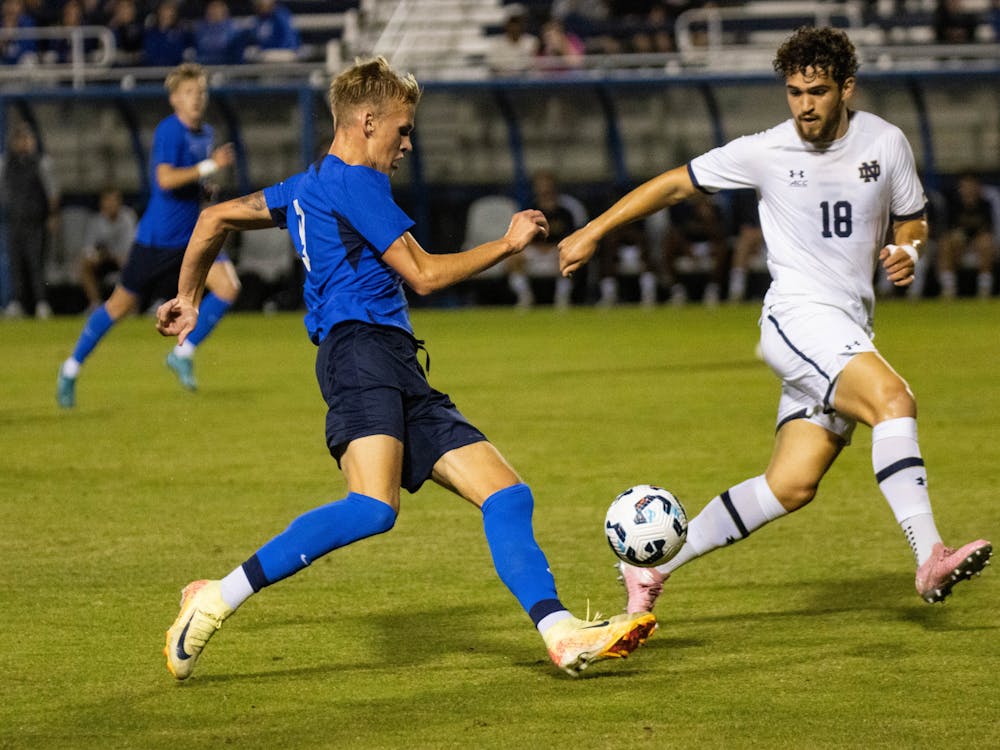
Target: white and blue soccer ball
(646,525)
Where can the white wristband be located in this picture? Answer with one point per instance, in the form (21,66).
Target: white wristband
(911,251)
(207,167)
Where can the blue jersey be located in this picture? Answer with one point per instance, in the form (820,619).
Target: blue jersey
(171,214)
(341,219)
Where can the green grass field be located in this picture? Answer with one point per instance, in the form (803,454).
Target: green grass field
(808,635)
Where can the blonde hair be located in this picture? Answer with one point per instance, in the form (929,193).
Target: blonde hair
(370,81)
(184,72)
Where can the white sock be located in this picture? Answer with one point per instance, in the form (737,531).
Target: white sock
(185,350)
(609,290)
(564,289)
(647,288)
(737,284)
(922,534)
(729,517)
(236,588)
(949,283)
(551,619)
(521,286)
(70,368)
(984,284)
(899,471)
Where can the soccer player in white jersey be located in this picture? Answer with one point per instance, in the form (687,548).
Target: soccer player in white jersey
(831,183)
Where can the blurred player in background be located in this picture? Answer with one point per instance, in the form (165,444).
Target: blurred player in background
(386,426)
(181,162)
(831,183)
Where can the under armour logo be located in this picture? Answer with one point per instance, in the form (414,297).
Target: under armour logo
(796,173)
(851,346)
(922,481)
(869,171)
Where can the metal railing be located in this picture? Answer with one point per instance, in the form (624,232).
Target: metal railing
(719,56)
(34,66)
(98,67)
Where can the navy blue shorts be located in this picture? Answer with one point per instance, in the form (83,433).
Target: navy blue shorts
(373,385)
(147,267)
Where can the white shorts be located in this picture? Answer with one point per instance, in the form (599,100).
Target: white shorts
(808,346)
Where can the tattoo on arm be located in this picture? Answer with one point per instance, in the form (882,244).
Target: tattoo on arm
(254,201)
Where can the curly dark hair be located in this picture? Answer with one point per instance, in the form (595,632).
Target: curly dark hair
(826,49)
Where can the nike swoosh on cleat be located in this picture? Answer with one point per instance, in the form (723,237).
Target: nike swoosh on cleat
(181,653)
(598,625)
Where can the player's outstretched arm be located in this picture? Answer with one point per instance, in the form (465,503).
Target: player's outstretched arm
(178,317)
(171,177)
(669,188)
(426,272)
(900,258)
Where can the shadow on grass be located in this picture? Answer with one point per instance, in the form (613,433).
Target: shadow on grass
(888,593)
(434,639)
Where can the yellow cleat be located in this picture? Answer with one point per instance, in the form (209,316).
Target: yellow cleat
(202,613)
(575,644)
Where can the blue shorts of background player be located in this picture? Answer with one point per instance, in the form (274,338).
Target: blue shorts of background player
(149,269)
(146,271)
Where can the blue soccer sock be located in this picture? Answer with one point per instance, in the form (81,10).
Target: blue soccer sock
(98,324)
(315,533)
(209,314)
(518,559)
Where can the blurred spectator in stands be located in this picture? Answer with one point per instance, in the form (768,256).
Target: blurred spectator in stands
(273,38)
(625,255)
(218,40)
(30,200)
(513,51)
(127,27)
(655,34)
(748,243)
(538,265)
(13,18)
(95,12)
(43,12)
(106,242)
(560,50)
(695,242)
(970,230)
(995,19)
(953,23)
(584,18)
(61,50)
(166,41)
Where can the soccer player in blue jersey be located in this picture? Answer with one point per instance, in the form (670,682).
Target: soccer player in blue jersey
(386,426)
(182,159)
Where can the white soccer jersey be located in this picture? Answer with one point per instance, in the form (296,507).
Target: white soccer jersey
(824,212)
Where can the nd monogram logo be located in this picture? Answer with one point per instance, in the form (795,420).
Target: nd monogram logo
(869,171)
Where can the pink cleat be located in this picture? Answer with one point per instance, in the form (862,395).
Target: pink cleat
(643,586)
(946,567)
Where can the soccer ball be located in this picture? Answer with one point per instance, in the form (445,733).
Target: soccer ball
(646,525)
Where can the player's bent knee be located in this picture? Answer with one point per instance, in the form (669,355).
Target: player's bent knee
(895,400)
(381,514)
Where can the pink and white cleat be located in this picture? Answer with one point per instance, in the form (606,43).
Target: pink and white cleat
(946,567)
(643,586)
